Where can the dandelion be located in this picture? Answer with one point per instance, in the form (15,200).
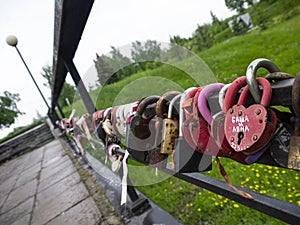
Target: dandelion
(191,204)
(283,171)
(171,182)
(278,185)
(216,203)
(236,206)
(199,193)
(298,203)
(187,205)
(199,209)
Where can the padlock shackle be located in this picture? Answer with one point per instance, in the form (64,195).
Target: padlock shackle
(222,93)
(266,96)
(233,89)
(164,99)
(203,98)
(184,95)
(145,102)
(172,102)
(251,75)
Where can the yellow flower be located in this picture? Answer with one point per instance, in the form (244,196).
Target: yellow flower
(191,204)
(236,206)
(171,182)
(298,203)
(257,175)
(199,209)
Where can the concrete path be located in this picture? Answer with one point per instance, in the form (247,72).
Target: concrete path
(43,187)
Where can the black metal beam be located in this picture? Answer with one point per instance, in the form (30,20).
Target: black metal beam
(69,22)
(274,207)
(80,86)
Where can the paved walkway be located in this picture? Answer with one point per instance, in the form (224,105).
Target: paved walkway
(43,187)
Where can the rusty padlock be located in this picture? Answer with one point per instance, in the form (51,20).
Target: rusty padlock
(141,131)
(250,129)
(163,103)
(170,128)
(294,151)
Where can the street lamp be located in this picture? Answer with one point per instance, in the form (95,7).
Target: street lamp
(12,40)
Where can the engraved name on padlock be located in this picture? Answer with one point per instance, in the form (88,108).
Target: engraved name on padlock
(249,129)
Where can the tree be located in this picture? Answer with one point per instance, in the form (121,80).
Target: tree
(68,90)
(146,54)
(203,37)
(113,68)
(8,109)
(238,5)
(47,74)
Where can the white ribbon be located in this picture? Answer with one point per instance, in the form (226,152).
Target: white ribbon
(124,179)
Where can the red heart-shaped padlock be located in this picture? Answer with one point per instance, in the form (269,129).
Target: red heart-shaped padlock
(244,126)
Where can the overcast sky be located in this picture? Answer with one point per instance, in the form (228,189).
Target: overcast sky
(111,23)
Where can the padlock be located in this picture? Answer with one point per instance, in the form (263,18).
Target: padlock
(170,129)
(162,104)
(217,124)
(120,114)
(194,127)
(186,159)
(156,158)
(211,146)
(251,75)
(97,117)
(141,132)
(250,129)
(294,151)
(114,157)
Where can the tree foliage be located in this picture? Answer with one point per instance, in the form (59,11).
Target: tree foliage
(8,109)
(115,66)
(68,90)
(238,5)
(112,68)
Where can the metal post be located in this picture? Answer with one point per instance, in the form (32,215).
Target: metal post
(33,78)
(13,41)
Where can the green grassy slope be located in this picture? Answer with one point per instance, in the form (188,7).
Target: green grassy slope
(227,60)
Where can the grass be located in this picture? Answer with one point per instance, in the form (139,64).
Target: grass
(227,61)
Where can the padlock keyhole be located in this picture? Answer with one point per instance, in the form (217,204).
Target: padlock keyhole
(240,137)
